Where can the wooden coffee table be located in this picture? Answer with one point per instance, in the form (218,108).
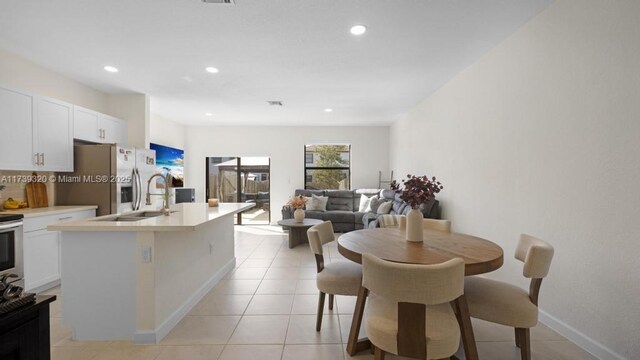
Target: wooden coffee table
(298,230)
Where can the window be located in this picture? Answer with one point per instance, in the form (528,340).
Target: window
(329,168)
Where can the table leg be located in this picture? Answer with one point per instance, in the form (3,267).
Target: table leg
(297,236)
(354,345)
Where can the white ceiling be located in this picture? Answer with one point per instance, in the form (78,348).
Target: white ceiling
(298,51)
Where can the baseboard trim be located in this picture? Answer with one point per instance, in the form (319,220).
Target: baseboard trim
(154,337)
(41,286)
(586,343)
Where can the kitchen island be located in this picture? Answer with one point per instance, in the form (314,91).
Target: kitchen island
(135,276)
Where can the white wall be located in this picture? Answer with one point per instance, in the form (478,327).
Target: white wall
(285,147)
(19,73)
(134,108)
(542,136)
(166,132)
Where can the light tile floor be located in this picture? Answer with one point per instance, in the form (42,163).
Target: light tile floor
(265,309)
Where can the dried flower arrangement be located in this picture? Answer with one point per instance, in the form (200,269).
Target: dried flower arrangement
(297,202)
(417,190)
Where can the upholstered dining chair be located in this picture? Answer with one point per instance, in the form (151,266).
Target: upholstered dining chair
(335,278)
(430,224)
(410,307)
(389,221)
(511,305)
(435,224)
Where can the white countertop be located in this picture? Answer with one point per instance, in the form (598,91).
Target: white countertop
(185,216)
(50,210)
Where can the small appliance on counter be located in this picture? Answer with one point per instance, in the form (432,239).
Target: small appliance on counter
(183,195)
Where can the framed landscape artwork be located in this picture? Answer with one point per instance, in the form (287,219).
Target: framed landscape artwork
(169,160)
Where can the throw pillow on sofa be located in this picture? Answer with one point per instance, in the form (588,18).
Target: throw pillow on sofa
(384,208)
(306,206)
(318,203)
(389,221)
(365,203)
(375,203)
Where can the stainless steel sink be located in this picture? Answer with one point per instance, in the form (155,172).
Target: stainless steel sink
(135,216)
(124,218)
(129,218)
(148,214)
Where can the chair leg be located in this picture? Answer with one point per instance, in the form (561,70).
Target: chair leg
(378,354)
(320,311)
(331,301)
(525,344)
(517,332)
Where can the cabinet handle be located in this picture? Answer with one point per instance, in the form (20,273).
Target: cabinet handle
(99,133)
(42,159)
(65,218)
(37,156)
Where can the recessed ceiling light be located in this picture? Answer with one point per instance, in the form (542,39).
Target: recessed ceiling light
(111,69)
(358,29)
(208,114)
(212,70)
(328,110)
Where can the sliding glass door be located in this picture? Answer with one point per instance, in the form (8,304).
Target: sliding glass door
(241,179)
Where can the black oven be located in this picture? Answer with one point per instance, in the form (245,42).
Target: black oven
(11,244)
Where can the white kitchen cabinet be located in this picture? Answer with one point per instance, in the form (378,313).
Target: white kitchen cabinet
(114,131)
(17,130)
(54,133)
(36,132)
(95,127)
(85,124)
(41,249)
(42,258)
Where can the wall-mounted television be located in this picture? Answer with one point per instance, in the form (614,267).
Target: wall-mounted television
(170,160)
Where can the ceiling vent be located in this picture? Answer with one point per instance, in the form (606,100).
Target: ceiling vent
(275,103)
(231,2)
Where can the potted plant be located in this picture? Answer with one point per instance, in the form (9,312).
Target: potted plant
(418,190)
(298,203)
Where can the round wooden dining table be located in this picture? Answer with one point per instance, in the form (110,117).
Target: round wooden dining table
(480,256)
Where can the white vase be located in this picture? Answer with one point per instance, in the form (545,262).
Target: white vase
(414,225)
(298,215)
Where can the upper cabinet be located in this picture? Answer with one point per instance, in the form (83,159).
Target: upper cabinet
(85,124)
(95,127)
(114,131)
(17,144)
(54,133)
(37,132)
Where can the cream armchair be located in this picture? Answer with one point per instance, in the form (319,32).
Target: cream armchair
(335,278)
(510,305)
(410,307)
(427,224)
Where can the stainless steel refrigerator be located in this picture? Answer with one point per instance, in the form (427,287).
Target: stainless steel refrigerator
(110,176)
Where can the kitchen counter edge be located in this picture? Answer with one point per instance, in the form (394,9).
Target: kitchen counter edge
(45,211)
(175,222)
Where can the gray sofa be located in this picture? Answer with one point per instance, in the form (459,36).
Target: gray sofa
(342,208)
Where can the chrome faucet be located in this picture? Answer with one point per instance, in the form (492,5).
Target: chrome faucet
(165,196)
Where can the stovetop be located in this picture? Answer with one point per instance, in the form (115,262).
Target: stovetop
(10,217)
